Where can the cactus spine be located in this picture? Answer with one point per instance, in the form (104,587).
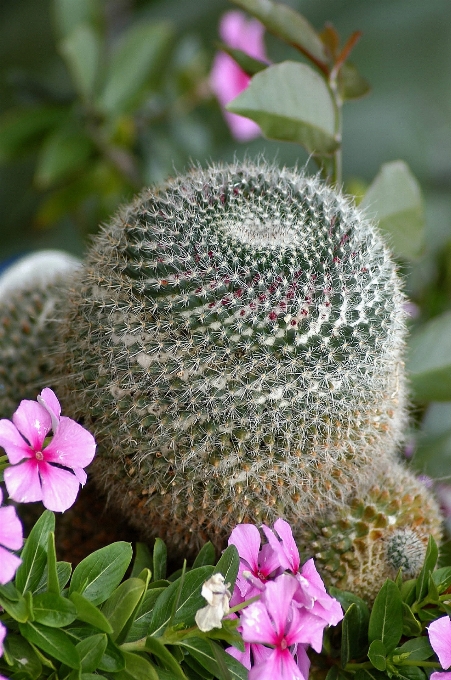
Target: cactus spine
(236,340)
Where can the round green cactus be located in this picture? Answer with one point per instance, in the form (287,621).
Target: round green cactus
(235,342)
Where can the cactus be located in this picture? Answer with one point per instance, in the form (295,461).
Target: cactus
(235,342)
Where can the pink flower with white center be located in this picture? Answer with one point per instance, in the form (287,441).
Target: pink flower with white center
(439,632)
(11,537)
(227,79)
(53,471)
(260,563)
(275,621)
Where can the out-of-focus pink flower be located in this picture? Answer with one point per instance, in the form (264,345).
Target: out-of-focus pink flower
(260,563)
(439,632)
(253,654)
(2,637)
(53,472)
(11,537)
(437,675)
(275,621)
(227,79)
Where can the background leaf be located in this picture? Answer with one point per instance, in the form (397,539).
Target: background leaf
(386,617)
(429,360)
(97,576)
(81,51)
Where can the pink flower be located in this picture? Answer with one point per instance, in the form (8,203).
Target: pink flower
(227,79)
(53,472)
(275,621)
(2,637)
(11,536)
(440,638)
(260,563)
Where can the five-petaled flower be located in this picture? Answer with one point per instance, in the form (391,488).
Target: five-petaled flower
(11,537)
(227,79)
(49,471)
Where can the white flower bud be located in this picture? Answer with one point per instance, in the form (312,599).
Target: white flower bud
(218,595)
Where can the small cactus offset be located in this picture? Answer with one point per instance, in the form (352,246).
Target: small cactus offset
(235,341)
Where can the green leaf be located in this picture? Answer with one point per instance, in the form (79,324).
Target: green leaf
(228,565)
(292,103)
(377,655)
(52,641)
(81,51)
(53,610)
(410,625)
(428,567)
(63,571)
(88,612)
(69,13)
(394,198)
(351,84)
(160,557)
(99,574)
(410,673)
(137,668)
(429,360)
(52,571)
(143,559)
(136,60)
(386,619)
(202,652)
(206,555)
(354,640)
(122,603)
(370,674)
(20,128)
(17,608)
(144,615)
(91,650)
(286,24)
(346,598)
(155,647)
(442,578)
(22,657)
(186,601)
(62,154)
(34,553)
(407,590)
(418,649)
(247,64)
(113,659)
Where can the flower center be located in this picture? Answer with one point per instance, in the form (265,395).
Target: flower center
(39,455)
(283,644)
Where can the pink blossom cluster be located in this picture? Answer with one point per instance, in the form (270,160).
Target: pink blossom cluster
(293,609)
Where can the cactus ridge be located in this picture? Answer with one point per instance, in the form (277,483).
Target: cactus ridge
(243,326)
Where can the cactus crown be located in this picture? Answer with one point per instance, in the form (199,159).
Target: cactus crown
(243,328)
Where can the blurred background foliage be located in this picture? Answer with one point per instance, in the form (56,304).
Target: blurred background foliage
(101,97)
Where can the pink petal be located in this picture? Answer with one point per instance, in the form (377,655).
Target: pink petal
(242,657)
(22,482)
(59,488)
(268,560)
(256,625)
(288,544)
(278,597)
(49,401)
(1,496)
(440,676)
(440,638)
(33,422)
(305,628)
(11,533)
(14,444)
(324,606)
(237,31)
(72,445)
(2,637)
(279,665)
(303,660)
(8,567)
(80,475)
(246,539)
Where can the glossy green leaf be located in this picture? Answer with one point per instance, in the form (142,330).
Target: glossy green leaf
(286,24)
(22,127)
(346,598)
(410,624)
(137,58)
(247,64)
(155,647)
(442,579)
(428,567)
(160,558)
(52,641)
(9,591)
(99,574)
(351,84)
(81,51)
(228,565)
(291,102)
(34,553)
(143,559)
(88,612)
(62,154)
(122,603)
(386,619)
(91,650)
(419,649)
(205,556)
(185,601)
(377,654)
(370,674)
(53,610)
(113,659)
(18,609)
(410,673)
(429,360)
(144,615)
(52,570)
(137,668)
(22,657)
(394,200)
(63,572)
(202,651)
(354,639)
(408,590)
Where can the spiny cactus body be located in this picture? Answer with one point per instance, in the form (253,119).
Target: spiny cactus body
(235,342)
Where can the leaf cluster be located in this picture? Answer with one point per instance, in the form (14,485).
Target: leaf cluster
(111,617)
